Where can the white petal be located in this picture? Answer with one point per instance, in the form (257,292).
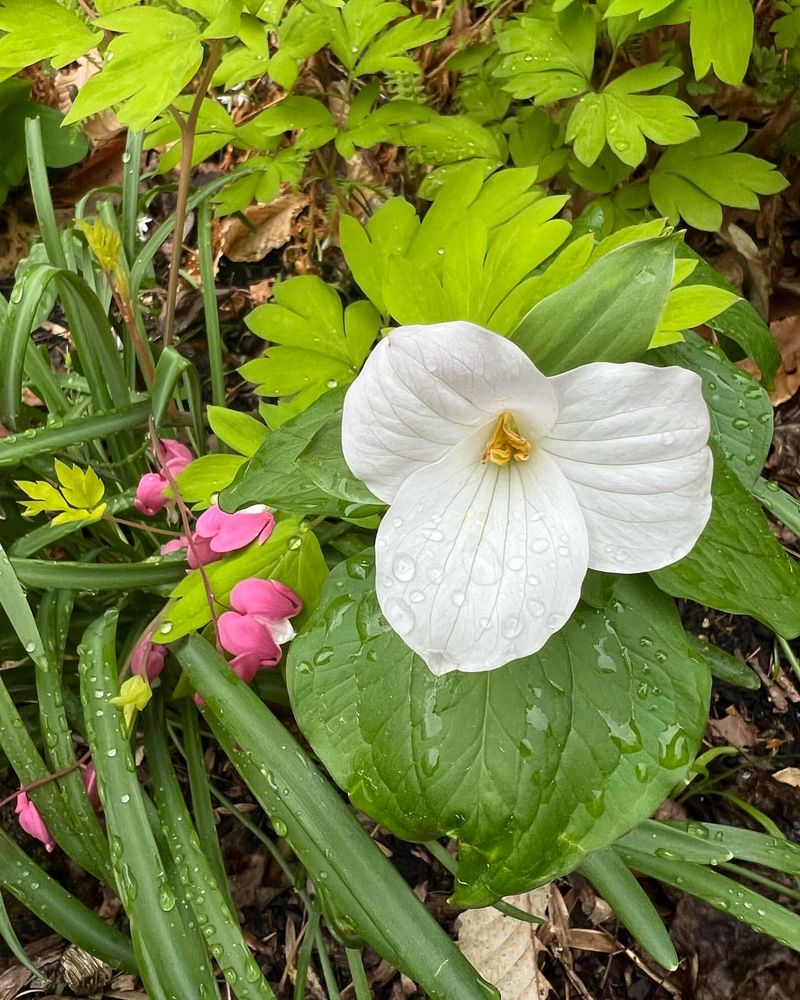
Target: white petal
(633,442)
(477,564)
(424,388)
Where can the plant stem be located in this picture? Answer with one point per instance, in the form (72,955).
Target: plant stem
(789,654)
(188,127)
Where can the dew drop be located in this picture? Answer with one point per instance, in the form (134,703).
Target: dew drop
(400,616)
(404,568)
(511,628)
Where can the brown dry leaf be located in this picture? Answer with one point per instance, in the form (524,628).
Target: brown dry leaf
(787,381)
(261,291)
(267,228)
(734,729)
(788,776)
(503,949)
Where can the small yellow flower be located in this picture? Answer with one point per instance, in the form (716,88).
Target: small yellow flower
(134,694)
(106,245)
(77,500)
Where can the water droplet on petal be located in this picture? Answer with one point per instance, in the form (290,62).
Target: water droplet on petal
(404,568)
(511,628)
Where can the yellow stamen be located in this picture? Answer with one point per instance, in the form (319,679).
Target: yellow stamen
(506,443)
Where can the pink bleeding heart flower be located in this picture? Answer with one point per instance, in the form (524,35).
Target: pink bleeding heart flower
(89,777)
(200,552)
(174,545)
(31,822)
(259,623)
(147,659)
(150,497)
(176,455)
(228,532)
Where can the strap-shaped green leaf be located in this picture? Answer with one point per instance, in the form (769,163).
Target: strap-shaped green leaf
(620,889)
(158,927)
(357,882)
(59,909)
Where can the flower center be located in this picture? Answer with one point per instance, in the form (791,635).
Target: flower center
(506,443)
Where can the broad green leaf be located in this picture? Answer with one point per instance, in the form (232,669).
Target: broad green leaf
(42,29)
(694,180)
(416,271)
(531,766)
(207,476)
(722,36)
(609,313)
(291,554)
(623,117)
(738,565)
(355,24)
(323,462)
(367,127)
(739,323)
(61,147)
(238,430)
(549,60)
(741,411)
(297,472)
(173,51)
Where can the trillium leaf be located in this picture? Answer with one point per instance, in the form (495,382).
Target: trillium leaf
(531,766)
(738,565)
(609,313)
(741,411)
(291,554)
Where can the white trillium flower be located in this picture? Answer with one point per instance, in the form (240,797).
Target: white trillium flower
(505,485)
